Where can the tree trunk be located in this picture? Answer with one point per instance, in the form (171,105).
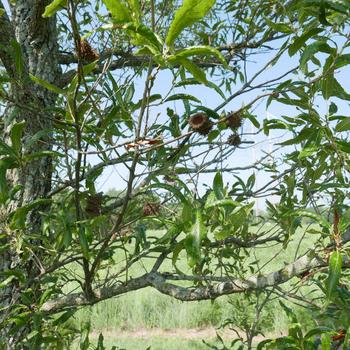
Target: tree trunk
(27,102)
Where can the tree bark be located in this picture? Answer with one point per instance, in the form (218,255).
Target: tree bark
(36,37)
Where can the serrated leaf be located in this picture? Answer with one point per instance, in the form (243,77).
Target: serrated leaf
(190,12)
(53,7)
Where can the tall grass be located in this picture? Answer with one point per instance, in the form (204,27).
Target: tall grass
(148,308)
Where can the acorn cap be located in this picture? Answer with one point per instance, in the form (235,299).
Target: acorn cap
(234,140)
(234,120)
(200,123)
(151,208)
(94,205)
(87,52)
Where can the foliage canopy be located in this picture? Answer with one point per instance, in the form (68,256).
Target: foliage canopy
(93,85)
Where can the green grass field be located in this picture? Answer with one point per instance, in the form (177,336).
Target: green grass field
(148,309)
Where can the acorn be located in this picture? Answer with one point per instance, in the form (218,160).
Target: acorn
(200,123)
(87,53)
(234,140)
(234,120)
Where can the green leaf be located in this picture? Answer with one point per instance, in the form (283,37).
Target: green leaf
(262,344)
(307,152)
(151,99)
(253,120)
(47,85)
(16,135)
(135,8)
(171,189)
(218,186)
(18,57)
(342,61)
(3,182)
(52,8)
(316,331)
(65,316)
(300,41)
(193,240)
(83,243)
(302,136)
(326,341)
(199,51)
(331,87)
(221,203)
(311,50)
(343,125)
(84,336)
(334,273)
(280,27)
(176,252)
(182,97)
(146,36)
(190,12)
(20,214)
(192,81)
(15,274)
(197,72)
(118,10)
(213,135)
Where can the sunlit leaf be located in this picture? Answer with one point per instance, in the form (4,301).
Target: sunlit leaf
(334,273)
(189,13)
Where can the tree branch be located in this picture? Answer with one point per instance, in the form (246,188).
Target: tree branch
(159,282)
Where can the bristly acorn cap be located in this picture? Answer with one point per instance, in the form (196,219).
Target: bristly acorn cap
(234,120)
(234,140)
(200,123)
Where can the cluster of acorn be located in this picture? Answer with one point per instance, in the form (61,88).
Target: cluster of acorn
(201,123)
